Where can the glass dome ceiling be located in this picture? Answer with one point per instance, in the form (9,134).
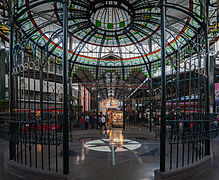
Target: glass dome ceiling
(113,42)
(115,33)
(111,16)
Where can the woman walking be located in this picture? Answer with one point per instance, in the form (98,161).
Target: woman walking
(103,121)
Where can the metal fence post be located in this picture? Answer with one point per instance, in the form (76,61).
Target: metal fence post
(65,92)
(163,88)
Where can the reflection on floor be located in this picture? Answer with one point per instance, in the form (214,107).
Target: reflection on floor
(113,139)
(109,156)
(114,156)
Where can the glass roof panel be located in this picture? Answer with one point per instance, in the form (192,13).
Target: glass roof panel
(128,29)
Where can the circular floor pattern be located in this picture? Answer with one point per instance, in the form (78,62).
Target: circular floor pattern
(118,145)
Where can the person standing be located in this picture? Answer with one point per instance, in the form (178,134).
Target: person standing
(86,121)
(95,123)
(107,119)
(99,122)
(82,122)
(91,121)
(103,121)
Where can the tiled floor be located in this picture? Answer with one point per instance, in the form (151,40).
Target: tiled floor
(213,174)
(4,175)
(113,156)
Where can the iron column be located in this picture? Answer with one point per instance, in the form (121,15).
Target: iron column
(123,103)
(70,88)
(12,153)
(65,94)
(97,104)
(150,101)
(84,101)
(2,73)
(207,142)
(163,88)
